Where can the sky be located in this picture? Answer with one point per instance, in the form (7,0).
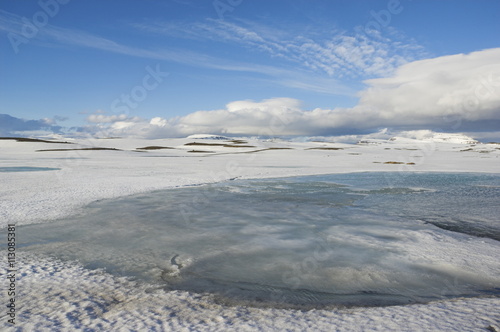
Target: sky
(172,68)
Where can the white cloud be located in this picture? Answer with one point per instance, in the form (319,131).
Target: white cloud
(445,91)
(101,118)
(451,93)
(270,117)
(54,120)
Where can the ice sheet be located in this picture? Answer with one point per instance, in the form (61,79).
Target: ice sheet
(67,297)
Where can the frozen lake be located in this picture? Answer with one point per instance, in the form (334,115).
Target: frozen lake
(342,239)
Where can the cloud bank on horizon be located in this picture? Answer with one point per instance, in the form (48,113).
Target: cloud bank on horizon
(12,126)
(450,93)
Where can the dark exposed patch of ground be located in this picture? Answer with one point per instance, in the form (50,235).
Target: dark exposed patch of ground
(267,149)
(204,144)
(237,141)
(394,163)
(253,151)
(325,148)
(24,139)
(200,151)
(154,147)
(219,144)
(98,149)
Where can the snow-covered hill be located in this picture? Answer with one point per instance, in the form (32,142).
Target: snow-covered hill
(427,135)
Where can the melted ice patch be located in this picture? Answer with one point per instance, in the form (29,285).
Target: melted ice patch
(350,239)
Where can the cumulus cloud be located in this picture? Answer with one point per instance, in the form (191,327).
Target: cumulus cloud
(270,117)
(450,93)
(54,120)
(454,92)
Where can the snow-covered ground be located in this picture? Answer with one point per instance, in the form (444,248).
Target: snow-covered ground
(62,296)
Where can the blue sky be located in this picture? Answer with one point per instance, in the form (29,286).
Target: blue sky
(121,64)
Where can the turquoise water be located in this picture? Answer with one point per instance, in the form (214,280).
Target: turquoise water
(27,169)
(344,239)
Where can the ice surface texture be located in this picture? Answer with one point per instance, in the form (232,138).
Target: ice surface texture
(345,239)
